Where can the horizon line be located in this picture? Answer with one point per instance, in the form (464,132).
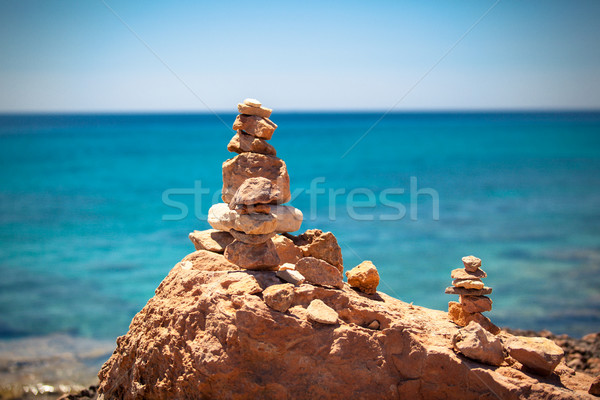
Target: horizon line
(309,111)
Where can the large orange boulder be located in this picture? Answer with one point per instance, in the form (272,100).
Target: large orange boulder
(208,334)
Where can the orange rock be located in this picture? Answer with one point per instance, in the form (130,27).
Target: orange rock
(279,297)
(252,165)
(324,246)
(364,277)
(478,344)
(475,304)
(251,239)
(318,311)
(460,317)
(262,128)
(211,240)
(253,110)
(260,256)
(243,143)
(471,263)
(203,259)
(319,272)
(257,190)
(461,273)
(286,250)
(538,354)
(198,339)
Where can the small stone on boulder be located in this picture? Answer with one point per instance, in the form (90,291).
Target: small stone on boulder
(364,277)
(244,143)
(290,275)
(253,256)
(320,312)
(262,128)
(468,292)
(279,297)
(287,250)
(537,354)
(320,272)
(211,240)
(324,246)
(205,260)
(471,263)
(478,344)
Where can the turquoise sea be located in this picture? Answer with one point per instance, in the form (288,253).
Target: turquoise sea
(96,209)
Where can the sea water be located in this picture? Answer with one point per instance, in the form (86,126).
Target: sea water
(96,209)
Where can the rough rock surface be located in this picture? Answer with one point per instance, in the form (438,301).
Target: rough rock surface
(252,165)
(260,256)
(478,344)
(319,272)
(251,239)
(287,250)
(257,190)
(461,273)
(468,283)
(262,128)
(320,312)
(253,110)
(540,355)
(471,263)
(474,304)
(242,143)
(595,387)
(207,259)
(211,240)
(468,292)
(364,277)
(196,339)
(324,246)
(279,297)
(280,219)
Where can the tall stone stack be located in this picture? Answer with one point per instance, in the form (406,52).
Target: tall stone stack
(467,283)
(255,186)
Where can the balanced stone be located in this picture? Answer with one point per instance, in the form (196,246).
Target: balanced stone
(211,240)
(252,103)
(262,128)
(320,272)
(538,354)
(287,250)
(251,239)
(221,217)
(461,273)
(281,219)
(468,283)
(322,245)
(473,304)
(460,317)
(471,263)
(253,191)
(252,165)
(468,292)
(253,256)
(254,208)
(252,110)
(242,143)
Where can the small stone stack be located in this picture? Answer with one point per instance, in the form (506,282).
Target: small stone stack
(472,293)
(255,185)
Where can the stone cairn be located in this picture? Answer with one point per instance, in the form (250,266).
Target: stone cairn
(467,283)
(255,185)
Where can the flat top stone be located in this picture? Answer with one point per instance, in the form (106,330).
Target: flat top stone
(461,273)
(471,263)
(468,292)
(252,102)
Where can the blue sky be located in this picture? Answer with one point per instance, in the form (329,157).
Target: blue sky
(78,56)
